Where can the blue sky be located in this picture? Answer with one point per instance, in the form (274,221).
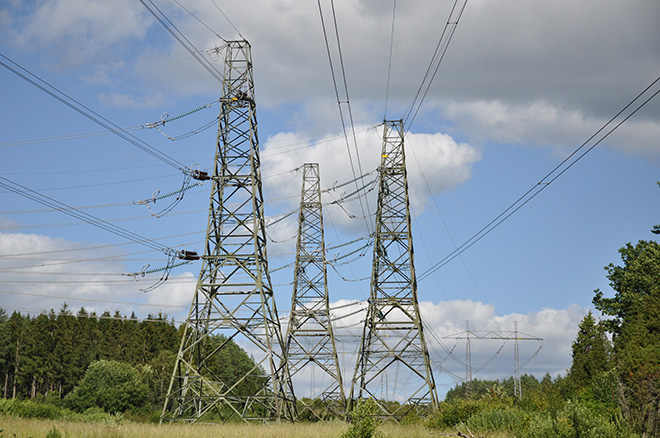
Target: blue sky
(522,85)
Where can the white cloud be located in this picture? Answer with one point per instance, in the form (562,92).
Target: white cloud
(177,292)
(435,162)
(79,28)
(557,327)
(541,123)
(40,273)
(525,72)
(491,358)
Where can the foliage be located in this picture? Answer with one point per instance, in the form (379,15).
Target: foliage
(29,409)
(364,420)
(591,352)
(156,375)
(634,283)
(509,418)
(635,325)
(572,421)
(54,433)
(46,355)
(549,408)
(231,363)
(109,385)
(449,414)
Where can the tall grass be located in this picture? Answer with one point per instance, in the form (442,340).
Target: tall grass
(24,428)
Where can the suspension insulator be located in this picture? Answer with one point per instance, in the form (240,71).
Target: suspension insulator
(200,175)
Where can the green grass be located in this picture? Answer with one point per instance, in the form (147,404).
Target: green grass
(37,428)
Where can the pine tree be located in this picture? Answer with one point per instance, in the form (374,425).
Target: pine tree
(5,351)
(591,352)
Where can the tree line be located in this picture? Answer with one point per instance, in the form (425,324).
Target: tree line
(45,356)
(612,388)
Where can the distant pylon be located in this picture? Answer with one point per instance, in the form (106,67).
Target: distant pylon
(517,387)
(310,340)
(233,302)
(468,361)
(393,336)
(515,336)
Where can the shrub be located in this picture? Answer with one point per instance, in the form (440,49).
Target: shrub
(455,412)
(364,420)
(30,409)
(575,420)
(499,419)
(109,385)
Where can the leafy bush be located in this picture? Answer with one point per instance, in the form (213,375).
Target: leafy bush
(499,419)
(575,420)
(458,411)
(109,385)
(364,420)
(29,409)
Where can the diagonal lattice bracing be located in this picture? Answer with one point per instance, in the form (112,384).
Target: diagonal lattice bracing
(393,363)
(310,343)
(233,303)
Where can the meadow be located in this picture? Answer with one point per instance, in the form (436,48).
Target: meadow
(36,428)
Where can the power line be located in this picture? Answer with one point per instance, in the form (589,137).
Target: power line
(89,113)
(346,101)
(389,64)
(546,180)
(438,55)
(198,19)
(89,248)
(182,39)
(81,215)
(91,300)
(227,18)
(105,61)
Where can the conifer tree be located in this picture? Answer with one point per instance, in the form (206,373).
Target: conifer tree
(591,352)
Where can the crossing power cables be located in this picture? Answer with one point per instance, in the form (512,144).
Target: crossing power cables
(92,220)
(598,137)
(346,100)
(95,117)
(182,39)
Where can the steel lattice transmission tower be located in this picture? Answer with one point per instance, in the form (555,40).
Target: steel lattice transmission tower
(393,343)
(233,302)
(310,342)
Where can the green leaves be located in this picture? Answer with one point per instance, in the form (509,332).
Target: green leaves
(639,277)
(109,385)
(635,309)
(591,352)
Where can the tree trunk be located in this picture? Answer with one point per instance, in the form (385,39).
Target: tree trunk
(33,389)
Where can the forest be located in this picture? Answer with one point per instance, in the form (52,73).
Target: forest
(59,363)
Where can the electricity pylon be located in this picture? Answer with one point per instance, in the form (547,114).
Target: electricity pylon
(515,336)
(233,302)
(310,342)
(393,343)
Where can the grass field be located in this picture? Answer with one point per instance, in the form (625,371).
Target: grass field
(24,428)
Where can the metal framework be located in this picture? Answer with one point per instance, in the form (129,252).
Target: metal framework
(393,348)
(233,302)
(310,342)
(515,336)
